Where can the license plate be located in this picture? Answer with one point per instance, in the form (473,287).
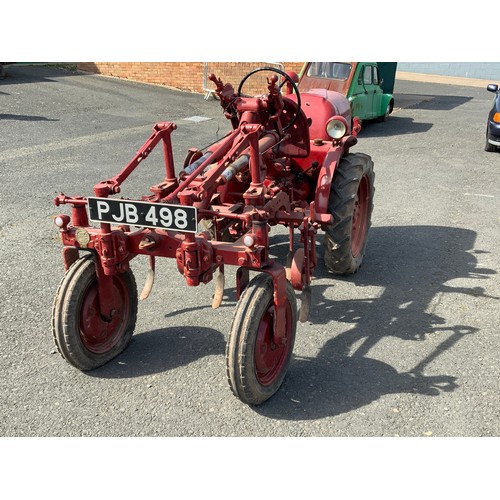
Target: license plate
(143,214)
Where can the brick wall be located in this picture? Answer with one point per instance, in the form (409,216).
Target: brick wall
(187,76)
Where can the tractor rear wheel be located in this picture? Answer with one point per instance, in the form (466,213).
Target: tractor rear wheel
(256,366)
(83,337)
(351,205)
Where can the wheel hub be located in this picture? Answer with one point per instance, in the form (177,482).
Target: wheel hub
(360,217)
(100,334)
(269,356)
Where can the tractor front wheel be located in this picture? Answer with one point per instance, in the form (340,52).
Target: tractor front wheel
(351,205)
(83,337)
(256,365)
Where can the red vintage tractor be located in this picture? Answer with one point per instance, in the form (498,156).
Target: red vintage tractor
(286,161)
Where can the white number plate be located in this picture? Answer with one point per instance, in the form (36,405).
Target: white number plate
(143,214)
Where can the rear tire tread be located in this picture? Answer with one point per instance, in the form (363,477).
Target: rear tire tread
(337,241)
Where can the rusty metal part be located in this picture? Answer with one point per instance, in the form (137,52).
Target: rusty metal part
(288,265)
(148,242)
(150,279)
(297,269)
(305,305)
(70,255)
(219,289)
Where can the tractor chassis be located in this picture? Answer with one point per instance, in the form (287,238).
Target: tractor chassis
(218,211)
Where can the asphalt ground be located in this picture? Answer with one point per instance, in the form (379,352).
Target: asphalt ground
(407,347)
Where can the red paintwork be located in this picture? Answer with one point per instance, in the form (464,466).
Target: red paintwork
(269,357)
(320,105)
(266,171)
(360,216)
(98,335)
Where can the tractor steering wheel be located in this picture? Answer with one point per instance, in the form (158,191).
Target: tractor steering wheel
(287,79)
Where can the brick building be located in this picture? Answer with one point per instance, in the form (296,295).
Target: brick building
(192,76)
(187,76)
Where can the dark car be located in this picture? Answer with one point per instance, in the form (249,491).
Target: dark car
(493,126)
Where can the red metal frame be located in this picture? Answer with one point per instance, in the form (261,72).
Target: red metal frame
(243,181)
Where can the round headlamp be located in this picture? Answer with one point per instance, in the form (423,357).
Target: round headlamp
(249,240)
(336,127)
(61,221)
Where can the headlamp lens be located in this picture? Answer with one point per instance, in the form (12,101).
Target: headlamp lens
(336,128)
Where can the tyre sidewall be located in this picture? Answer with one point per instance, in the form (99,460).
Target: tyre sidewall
(254,303)
(66,316)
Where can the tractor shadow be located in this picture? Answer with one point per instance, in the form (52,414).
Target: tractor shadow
(163,350)
(413,265)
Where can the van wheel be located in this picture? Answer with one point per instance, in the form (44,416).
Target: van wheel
(387,113)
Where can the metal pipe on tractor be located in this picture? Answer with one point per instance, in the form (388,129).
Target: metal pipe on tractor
(287,162)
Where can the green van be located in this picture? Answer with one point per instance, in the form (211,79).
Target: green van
(367,85)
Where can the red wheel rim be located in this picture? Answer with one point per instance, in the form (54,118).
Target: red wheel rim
(98,335)
(269,357)
(360,216)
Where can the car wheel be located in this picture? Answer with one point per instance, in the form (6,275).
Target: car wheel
(489,147)
(385,116)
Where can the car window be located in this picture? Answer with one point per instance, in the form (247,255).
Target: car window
(367,75)
(334,70)
(370,76)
